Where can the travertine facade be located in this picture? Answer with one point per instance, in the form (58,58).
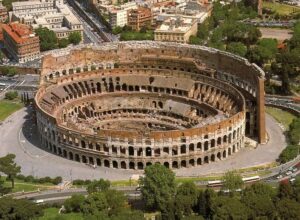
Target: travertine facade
(131,104)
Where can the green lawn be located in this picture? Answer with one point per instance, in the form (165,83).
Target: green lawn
(283,117)
(52,213)
(281,9)
(20,186)
(8,107)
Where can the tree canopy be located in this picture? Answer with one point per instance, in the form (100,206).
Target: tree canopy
(9,167)
(75,37)
(48,39)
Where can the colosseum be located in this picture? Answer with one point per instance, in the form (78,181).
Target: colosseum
(128,105)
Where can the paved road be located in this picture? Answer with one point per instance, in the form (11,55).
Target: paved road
(18,136)
(279,34)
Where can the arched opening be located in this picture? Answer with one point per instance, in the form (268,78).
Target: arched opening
(183,163)
(148,152)
(175,164)
(131,165)
(83,144)
(140,165)
(148,164)
(131,151)
(191,147)
(206,159)
(123,165)
(199,161)
(229,151)
(219,141)
(106,163)
(183,149)
(77,158)
(65,153)
(115,164)
(224,154)
(70,155)
(234,135)
(192,162)
(84,160)
(91,160)
(205,145)
(160,104)
(212,157)
(225,139)
(199,147)
(229,138)
(157,152)
(154,104)
(212,143)
(233,149)
(98,162)
(166,164)
(219,156)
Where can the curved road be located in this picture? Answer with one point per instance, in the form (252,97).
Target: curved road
(18,135)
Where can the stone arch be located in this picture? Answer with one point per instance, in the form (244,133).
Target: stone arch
(98,161)
(123,165)
(225,139)
(199,161)
(199,146)
(115,164)
(148,164)
(183,149)
(140,165)
(65,155)
(175,164)
(224,154)
(131,165)
(206,159)
(213,157)
(106,163)
(212,143)
(219,156)
(166,164)
(83,159)
(91,160)
(219,141)
(229,138)
(192,162)
(70,155)
(234,135)
(205,145)
(233,148)
(77,158)
(229,151)
(148,152)
(183,163)
(191,147)
(131,151)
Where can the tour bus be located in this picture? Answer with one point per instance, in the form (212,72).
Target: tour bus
(218,183)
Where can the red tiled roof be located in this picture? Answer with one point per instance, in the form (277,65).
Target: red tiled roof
(20,33)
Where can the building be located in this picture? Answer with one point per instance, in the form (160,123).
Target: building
(140,17)
(3,13)
(176,29)
(118,15)
(21,42)
(128,105)
(52,14)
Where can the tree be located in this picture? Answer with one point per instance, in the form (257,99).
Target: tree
(98,186)
(74,203)
(195,40)
(63,43)
(186,198)
(117,30)
(9,167)
(288,209)
(237,48)
(11,209)
(260,204)
(203,31)
(48,39)
(260,189)
(205,199)
(232,181)
(95,204)
(224,207)
(158,187)
(75,37)
(11,95)
(285,191)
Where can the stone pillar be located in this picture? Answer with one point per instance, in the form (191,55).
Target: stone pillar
(261,120)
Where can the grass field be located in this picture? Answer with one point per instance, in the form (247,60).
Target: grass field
(8,107)
(281,9)
(283,117)
(27,186)
(52,214)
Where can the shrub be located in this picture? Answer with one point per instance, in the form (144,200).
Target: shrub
(11,95)
(289,153)
(57,180)
(294,132)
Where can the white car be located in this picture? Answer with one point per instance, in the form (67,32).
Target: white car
(292,180)
(279,177)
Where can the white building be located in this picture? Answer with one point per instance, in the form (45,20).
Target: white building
(53,14)
(118,15)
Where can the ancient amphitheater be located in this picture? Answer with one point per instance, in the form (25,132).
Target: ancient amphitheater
(128,105)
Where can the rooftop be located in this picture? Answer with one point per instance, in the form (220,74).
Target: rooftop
(176,24)
(20,33)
